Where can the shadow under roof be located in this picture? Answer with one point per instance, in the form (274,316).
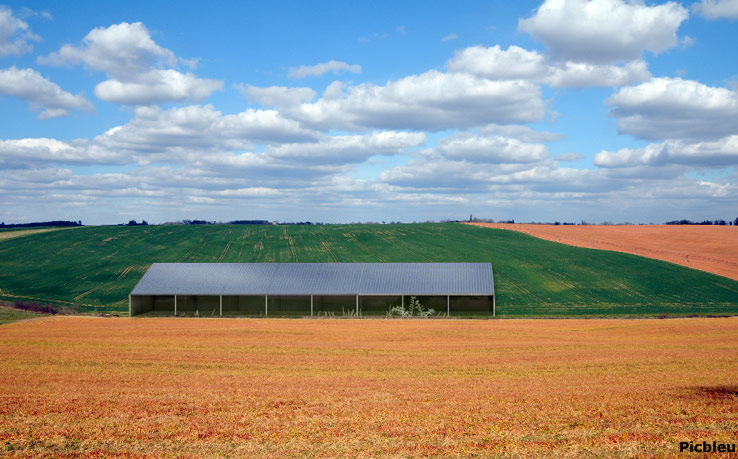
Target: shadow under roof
(316,279)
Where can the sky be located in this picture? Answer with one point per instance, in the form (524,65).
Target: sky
(345,111)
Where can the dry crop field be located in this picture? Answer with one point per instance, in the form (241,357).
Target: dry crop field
(93,387)
(705,247)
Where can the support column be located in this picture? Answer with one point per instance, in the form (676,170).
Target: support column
(448,305)
(175,305)
(403,301)
(357,305)
(311,305)
(493,305)
(130,311)
(221,305)
(266,305)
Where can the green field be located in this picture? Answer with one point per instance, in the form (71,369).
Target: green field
(94,268)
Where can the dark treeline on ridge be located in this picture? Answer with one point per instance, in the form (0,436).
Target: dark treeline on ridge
(719,222)
(55,223)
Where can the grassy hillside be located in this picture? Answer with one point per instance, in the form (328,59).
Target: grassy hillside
(96,267)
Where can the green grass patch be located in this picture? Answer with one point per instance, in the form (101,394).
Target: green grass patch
(8,315)
(92,269)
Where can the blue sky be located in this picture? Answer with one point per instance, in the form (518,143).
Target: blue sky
(569,110)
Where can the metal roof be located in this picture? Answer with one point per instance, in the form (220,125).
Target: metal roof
(316,279)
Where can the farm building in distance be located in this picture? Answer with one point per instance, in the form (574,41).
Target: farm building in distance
(302,289)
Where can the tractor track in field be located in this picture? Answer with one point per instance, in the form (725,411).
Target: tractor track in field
(225,251)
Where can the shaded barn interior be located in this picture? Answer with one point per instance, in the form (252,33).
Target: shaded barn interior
(313,289)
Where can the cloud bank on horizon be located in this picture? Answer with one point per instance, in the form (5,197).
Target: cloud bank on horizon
(597,110)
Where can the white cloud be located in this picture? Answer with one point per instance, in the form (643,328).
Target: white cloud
(580,75)
(322,68)
(192,134)
(717,9)
(523,133)
(28,13)
(14,153)
(157,86)
(15,34)
(177,132)
(603,31)
(687,42)
(672,108)
(277,96)
(568,157)
(121,51)
(494,63)
(490,149)
(347,149)
(440,174)
(449,37)
(29,85)
(717,153)
(135,66)
(432,100)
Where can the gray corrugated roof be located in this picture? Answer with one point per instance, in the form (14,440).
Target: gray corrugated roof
(316,279)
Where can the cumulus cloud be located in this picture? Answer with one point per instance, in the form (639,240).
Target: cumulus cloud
(571,156)
(178,135)
(15,35)
(439,174)
(157,86)
(277,96)
(135,66)
(194,129)
(29,85)
(603,31)
(348,149)
(544,190)
(322,68)
(672,108)
(22,151)
(716,153)
(121,50)
(580,74)
(717,9)
(523,133)
(490,149)
(432,101)
(494,63)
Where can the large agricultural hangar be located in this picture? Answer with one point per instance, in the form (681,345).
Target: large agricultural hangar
(315,289)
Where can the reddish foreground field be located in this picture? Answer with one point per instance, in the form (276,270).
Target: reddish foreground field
(708,248)
(93,387)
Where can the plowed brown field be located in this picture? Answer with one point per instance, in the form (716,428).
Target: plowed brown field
(708,248)
(92,387)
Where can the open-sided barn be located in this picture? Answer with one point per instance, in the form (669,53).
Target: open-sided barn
(284,289)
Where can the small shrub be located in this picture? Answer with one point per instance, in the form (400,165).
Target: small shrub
(414,309)
(350,312)
(35,307)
